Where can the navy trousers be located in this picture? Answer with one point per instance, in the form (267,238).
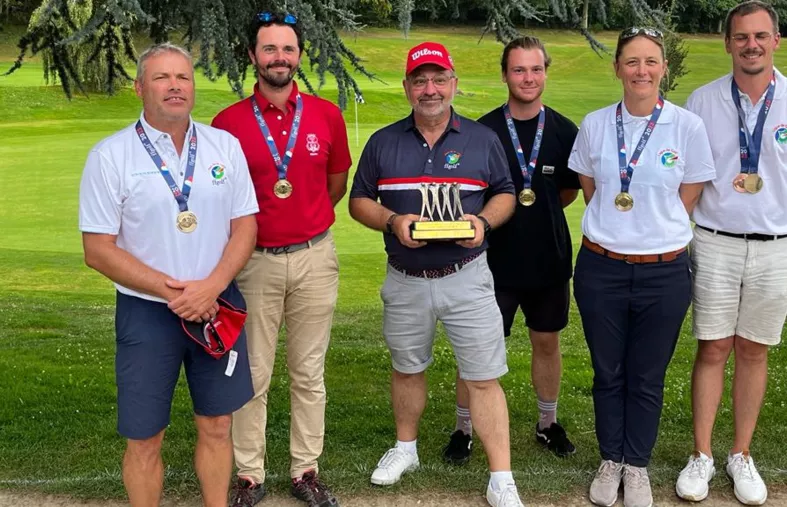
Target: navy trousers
(632,315)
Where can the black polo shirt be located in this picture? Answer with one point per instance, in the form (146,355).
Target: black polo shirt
(533,249)
(397,159)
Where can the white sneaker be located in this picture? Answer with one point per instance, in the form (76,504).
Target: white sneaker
(694,478)
(392,465)
(749,487)
(508,497)
(604,489)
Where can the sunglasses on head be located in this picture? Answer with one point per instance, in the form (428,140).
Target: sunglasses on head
(635,30)
(271,17)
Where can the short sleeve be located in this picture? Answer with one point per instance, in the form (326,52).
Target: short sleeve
(566,178)
(699,165)
(692,103)
(244,198)
(339,159)
(579,161)
(367,173)
(499,172)
(100,196)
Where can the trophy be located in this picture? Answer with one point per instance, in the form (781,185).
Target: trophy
(441,206)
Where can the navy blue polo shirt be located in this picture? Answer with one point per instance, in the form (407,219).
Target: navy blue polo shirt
(397,160)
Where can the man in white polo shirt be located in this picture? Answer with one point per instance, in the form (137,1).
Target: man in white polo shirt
(166,210)
(739,253)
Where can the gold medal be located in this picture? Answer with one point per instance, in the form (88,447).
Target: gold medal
(527,197)
(624,201)
(186,221)
(737,183)
(753,183)
(282,189)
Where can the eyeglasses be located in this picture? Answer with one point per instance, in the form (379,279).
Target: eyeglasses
(636,30)
(271,17)
(421,81)
(741,39)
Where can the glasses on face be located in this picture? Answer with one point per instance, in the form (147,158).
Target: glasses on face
(636,30)
(271,17)
(420,82)
(741,39)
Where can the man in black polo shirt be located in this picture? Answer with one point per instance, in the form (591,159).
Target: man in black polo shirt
(446,281)
(530,256)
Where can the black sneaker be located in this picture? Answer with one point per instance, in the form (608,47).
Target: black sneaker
(313,491)
(459,448)
(245,494)
(554,438)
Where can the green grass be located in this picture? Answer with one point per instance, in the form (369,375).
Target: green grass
(57,395)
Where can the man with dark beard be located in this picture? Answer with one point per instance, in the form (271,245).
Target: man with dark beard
(296,146)
(530,255)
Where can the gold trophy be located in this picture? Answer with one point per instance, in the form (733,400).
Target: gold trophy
(441,214)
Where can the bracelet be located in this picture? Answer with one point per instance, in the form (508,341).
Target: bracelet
(389,223)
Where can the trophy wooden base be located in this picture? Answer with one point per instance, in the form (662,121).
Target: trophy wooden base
(442,230)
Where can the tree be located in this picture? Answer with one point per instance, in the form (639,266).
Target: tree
(217,29)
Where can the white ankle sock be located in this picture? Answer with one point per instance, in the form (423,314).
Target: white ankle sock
(463,421)
(410,447)
(499,480)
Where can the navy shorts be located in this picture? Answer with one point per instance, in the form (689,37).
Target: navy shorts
(151,347)
(545,309)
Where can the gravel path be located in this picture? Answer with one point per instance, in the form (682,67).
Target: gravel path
(776,498)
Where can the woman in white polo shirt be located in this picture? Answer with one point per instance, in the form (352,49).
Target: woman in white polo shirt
(642,164)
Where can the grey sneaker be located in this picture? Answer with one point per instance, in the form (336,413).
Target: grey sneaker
(636,487)
(604,489)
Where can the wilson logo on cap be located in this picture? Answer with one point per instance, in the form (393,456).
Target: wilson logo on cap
(426,52)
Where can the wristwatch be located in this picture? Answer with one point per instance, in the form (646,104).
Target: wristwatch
(487,227)
(389,223)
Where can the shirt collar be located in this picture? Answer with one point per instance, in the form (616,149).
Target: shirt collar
(264,103)
(781,86)
(454,123)
(155,134)
(667,114)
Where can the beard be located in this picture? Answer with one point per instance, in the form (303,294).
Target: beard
(276,79)
(752,71)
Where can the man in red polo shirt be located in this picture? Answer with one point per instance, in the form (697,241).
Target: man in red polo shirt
(296,147)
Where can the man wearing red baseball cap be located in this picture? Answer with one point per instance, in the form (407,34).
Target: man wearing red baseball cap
(436,150)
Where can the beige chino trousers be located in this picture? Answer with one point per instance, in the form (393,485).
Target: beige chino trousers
(298,290)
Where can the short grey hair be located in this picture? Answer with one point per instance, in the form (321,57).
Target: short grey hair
(157,49)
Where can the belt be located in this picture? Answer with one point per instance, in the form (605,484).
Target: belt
(436,273)
(632,259)
(754,236)
(278,250)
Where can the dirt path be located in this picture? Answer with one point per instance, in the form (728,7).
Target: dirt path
(776,498)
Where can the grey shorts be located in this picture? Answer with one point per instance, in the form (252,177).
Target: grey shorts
(464,302)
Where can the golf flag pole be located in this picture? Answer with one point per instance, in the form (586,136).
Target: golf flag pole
(358,99)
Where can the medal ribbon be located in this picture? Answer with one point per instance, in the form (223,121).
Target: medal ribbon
(751,142)
(627,169)
(526,168)
(181,196)
(281,165)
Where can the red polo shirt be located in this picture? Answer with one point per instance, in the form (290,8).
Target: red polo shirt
(321,149)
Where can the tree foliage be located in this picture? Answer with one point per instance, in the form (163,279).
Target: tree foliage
(216,30)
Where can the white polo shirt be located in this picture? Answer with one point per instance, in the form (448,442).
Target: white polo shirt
(677,152)
(721,207)
(124,194)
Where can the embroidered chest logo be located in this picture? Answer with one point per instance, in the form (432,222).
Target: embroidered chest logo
(312,144)
(668,158)
(452,160)
(218,173)
(780,134)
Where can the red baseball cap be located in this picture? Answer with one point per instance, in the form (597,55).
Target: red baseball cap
(428,52)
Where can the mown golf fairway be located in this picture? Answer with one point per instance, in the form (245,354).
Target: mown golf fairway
(57,394)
